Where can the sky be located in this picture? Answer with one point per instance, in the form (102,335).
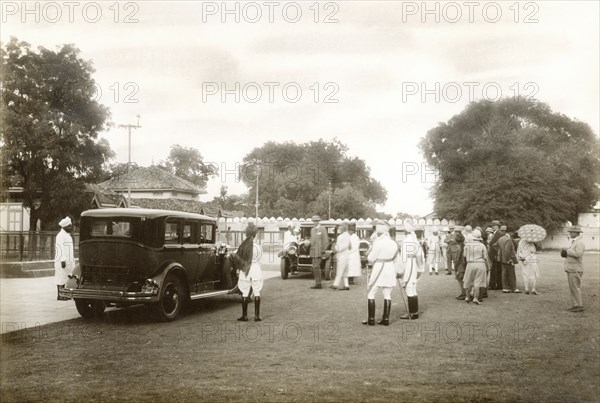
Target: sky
(226,77)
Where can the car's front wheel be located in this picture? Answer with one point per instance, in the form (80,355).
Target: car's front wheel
(172,297)
(89,308)
(285,268)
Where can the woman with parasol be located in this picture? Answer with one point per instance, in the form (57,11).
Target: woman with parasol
(530,235)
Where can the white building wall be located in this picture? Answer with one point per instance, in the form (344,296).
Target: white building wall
(14,217)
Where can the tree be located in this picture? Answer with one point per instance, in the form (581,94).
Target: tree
(515,160)
(50,125)
(187,163)
(345,203)
(291,176)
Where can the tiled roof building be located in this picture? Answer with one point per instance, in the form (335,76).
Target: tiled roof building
(153,183)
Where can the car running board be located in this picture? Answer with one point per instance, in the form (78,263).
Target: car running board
(210,294)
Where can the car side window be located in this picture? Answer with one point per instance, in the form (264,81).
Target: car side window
(206,233)
(190,232)
(172,232)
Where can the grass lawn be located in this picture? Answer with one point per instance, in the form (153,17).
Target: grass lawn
(311,346)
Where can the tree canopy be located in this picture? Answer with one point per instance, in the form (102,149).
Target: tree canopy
(295,180)
(188,163)
(514,160)
(50,125)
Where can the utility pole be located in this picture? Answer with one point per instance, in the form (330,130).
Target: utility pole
(129,127)
(329,208)
(257,176)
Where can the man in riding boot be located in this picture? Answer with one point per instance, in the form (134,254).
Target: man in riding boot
(383,255)
(319,240)
(413,265)
(247,260)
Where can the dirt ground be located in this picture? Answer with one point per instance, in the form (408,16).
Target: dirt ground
(311,346)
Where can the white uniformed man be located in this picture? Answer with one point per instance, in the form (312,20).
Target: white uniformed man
(342,252)
(413,262)
(290,236)
(64,261)
(434,252)
(383,255)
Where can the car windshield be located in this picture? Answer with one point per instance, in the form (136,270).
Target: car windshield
(305,232)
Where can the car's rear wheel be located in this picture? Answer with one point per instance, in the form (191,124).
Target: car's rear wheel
(285,268)
(171,301)
(89,308)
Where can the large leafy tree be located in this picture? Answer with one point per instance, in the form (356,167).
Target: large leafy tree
(294,179)
(188,163)
(515,160)
(50,124)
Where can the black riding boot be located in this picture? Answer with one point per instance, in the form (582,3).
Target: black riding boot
(244,317)
(257,309)
(413,308)
(387,306)
(371,309)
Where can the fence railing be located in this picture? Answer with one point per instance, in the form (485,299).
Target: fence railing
(17,246)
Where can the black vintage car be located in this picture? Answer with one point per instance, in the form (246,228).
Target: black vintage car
(297,258)
(156,257)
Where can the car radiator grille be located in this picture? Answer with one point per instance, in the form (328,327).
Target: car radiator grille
(109,276)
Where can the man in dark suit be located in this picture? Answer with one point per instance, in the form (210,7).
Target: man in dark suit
(496,266)
(508,258)
(319,240)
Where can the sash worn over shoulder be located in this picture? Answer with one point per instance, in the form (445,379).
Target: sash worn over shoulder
(373,282)
(389,260)
(244,255)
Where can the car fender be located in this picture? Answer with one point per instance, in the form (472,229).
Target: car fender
(167,268)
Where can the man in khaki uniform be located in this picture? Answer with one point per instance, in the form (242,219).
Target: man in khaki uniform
(574,266)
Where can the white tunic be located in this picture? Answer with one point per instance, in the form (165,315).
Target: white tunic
(63,253)
(413,258)
(434,249)
(354,268)
(254,278)
(383,256)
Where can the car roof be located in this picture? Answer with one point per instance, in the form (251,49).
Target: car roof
(143,212)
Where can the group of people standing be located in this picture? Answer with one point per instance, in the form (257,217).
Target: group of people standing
(346,248)
(485,260)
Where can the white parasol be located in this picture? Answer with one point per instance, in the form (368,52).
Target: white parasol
(532,233)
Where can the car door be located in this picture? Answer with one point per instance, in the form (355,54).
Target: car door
(207,270)
(190,245)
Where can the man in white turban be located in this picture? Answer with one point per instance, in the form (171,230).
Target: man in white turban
(64,260)
(383,256)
